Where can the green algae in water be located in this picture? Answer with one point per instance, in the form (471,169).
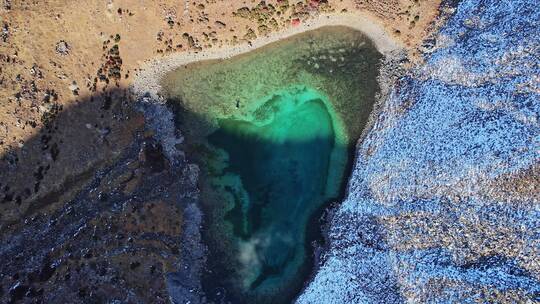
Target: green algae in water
(273,132)
(279,181)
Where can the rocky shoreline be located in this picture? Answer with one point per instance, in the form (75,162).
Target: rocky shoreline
(424,221)
(146,87)
(148,78)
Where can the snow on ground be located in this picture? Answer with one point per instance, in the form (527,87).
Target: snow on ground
(441,206)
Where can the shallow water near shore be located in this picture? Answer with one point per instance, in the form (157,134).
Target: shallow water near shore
(273,132)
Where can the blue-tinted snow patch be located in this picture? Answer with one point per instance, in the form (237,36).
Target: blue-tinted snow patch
(471,112)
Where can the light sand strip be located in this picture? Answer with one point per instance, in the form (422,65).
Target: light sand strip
(148,79)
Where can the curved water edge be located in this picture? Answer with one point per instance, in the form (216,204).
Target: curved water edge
(273,132)
(460,127)
(147,81)
(337,124)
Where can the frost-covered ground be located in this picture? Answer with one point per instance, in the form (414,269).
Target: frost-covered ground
(444,200)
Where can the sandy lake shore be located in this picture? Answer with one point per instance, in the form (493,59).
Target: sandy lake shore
(148,78)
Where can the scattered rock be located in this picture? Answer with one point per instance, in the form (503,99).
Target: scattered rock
(17,291)
(62,47)
(134,265)
(5,32)
(47,271)
(151,156)
(74,88)
(102,196)
(250,35)
(220,24)
(7,5)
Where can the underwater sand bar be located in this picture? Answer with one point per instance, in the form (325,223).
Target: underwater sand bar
(148,79)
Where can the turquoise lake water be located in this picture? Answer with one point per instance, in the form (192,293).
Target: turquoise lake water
(279,180)
(273,132)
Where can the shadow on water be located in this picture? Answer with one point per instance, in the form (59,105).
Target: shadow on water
(273,132)
(265,186)
(80,141)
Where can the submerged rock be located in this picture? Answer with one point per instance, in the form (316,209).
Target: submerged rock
(272,136)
